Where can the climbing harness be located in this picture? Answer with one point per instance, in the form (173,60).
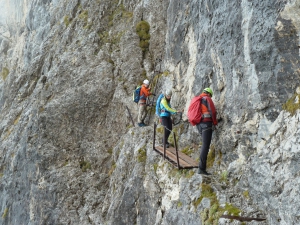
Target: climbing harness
(206,115)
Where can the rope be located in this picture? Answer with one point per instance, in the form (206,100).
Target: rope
(167,128)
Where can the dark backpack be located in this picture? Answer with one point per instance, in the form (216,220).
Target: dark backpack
(194,112)
(136,94)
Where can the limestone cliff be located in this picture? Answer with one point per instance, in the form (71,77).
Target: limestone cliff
(69,153)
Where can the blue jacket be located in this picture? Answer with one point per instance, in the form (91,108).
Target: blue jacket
(165,108)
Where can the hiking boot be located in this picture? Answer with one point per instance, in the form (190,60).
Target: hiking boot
(203,172)
(141,124)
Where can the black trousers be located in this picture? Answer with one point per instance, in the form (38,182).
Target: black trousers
(205,130)
(167,122)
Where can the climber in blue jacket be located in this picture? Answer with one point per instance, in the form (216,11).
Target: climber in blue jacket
(165,111)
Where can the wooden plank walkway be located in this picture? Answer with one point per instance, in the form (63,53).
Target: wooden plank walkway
(185,162)
(177,158)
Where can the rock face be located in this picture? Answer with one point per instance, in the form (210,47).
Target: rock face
(69,153)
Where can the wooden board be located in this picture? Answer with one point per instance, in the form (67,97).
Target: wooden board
(185,162)
(185,157)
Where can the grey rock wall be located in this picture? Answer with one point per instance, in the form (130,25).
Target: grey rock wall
(68,151)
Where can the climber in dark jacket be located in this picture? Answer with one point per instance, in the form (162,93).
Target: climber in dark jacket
(209,118)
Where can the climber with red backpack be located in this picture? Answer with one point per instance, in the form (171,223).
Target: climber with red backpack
(202,113)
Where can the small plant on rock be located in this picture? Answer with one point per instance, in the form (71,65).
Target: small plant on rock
(113,167)
(292,104)
(142,29)
(179,204)
(224,176)
(142,156)
(246,194)
(4,73)
(188,150)
(155,166)
(84,15)
(5,213)
(66,21)
(85,166)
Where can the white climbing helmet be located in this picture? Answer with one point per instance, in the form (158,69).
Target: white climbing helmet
(169,93)
(146,82)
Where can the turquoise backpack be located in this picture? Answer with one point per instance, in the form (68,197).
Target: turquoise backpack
(157,107)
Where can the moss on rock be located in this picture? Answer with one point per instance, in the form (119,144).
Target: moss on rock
(142,155)
(212,215)
(85,166)
(293,104)
(4,73)
(142,29)
(66,20)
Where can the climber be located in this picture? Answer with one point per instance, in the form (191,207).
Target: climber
(205,127)
(165,115)
(144,93)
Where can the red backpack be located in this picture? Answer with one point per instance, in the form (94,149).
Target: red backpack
(194,112)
